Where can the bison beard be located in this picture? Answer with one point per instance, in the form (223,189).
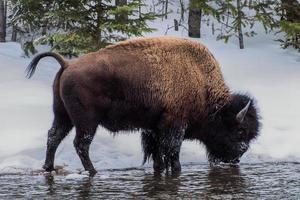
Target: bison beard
(226,139)
(170,89)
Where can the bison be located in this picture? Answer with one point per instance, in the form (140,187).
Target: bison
(171,89)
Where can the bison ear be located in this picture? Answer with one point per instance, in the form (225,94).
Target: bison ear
(241,115)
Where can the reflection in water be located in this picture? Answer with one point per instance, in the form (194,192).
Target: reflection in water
(224,180)
(84,188)
(159,186)
(49,181)
(248,181)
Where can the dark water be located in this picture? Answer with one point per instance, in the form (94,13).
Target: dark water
(247,181)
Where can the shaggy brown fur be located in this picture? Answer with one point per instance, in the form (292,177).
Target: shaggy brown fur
(177,73)
(160,85)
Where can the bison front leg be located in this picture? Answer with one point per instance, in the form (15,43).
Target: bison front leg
(165,148)
(170,145)
(61,126)
(175,163)
(82,142)
(56,134)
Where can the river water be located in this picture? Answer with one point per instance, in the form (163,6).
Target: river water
(272,180)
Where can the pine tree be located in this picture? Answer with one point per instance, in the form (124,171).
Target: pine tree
(289,11)
(27,15)
(123,16)
(2,20)
(81,26)
(236,15)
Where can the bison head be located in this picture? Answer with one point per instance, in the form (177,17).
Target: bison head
(231,130)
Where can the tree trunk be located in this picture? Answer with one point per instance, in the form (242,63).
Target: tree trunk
(2,21)
(162,10)
(44,29)
(140,9)
(5,17)
(182,9)
(240,32)
(14,34)
(97,32)
(121,17)
(166,9)
(194,21)
(176,25)
(291,10)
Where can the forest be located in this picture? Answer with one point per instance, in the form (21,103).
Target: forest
(74,27)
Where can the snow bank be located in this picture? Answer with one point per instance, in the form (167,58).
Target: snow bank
(264,70)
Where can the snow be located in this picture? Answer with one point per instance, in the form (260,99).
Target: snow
(270,74)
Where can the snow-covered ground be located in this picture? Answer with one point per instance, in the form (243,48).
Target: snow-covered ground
(264,70)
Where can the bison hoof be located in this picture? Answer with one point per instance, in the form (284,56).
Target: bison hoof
(176,168)
(92,172)
(158,168)
(48,168)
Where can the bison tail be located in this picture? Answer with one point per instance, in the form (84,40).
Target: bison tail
(33,64)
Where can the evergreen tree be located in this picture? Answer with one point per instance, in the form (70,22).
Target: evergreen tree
(27,19)
(238,15)
(2,20)
(289,12)
(230,17)
(81,26)
(292,37)
(123,16)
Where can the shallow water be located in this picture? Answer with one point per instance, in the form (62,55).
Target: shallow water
(246,181)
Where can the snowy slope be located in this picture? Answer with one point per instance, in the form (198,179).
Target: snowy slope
(264,70)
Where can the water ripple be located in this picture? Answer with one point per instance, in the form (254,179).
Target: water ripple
(247,181)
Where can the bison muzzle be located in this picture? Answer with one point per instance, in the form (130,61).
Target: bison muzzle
(171,89)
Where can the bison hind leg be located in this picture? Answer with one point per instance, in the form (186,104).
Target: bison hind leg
(83,139)
(56,134)
(60,128)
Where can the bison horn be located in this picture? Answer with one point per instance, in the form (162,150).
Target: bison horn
(241,115)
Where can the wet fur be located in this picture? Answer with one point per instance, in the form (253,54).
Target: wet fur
(216,138)
(166,87)
(211,130)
